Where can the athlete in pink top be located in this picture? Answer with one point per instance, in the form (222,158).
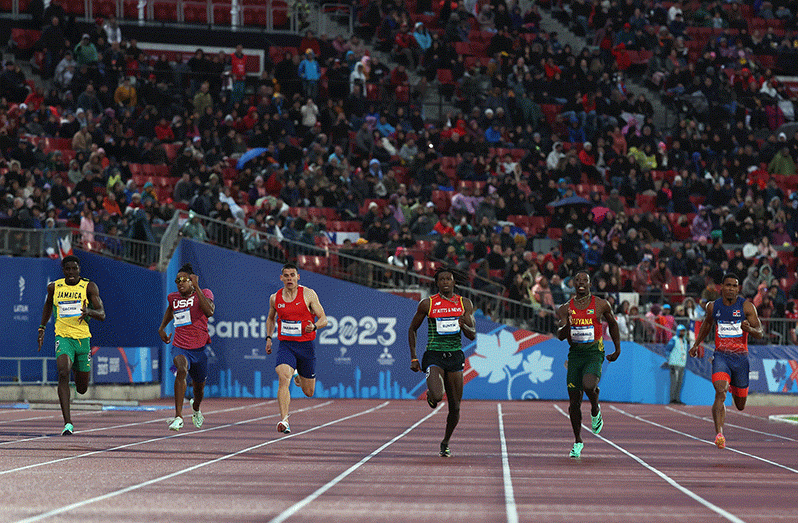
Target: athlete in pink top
(296,312)
(190,311)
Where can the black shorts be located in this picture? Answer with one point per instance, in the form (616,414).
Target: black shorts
(448,360)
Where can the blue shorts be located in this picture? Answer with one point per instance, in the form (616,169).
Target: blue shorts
(197,362)
(298,355)
(732,367)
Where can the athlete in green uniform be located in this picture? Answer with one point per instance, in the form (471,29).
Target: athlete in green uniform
(73,300)
(447,316)
(580,324)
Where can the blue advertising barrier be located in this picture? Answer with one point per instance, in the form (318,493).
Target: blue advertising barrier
(363,352)
(130,294)
(124,365)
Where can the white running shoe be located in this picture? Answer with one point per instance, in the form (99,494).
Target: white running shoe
(176,424)
(283,426)
(197,418)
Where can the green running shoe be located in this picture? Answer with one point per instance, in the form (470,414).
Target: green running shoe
(576,452)
(598,422)
(445,452)
(68,430)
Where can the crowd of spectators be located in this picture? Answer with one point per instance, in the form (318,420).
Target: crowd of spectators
(337,127)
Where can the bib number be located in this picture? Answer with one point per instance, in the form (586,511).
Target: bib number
(182,317)
(291,328)
(447,325)
(69,309)
(730,330)
(582,334)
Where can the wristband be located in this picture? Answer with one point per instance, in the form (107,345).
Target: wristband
(315,327)
(42,327)
(414,359)
(268,337)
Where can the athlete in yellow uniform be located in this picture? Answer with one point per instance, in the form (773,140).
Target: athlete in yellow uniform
(74,300)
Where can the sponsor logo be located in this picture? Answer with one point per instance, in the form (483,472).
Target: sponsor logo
(343,359)
(386,358)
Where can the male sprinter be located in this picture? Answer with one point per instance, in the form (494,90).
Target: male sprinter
(297,313)
(74,300)
(580,324)
(734,318)
(448,316)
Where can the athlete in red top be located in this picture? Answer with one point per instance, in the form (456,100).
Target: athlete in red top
(580,324)
(297,313)
(190,310)
(730,364)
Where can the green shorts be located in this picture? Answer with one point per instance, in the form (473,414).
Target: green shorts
(583,362)
(78,350)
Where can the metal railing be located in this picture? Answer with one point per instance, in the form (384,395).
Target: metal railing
(28,370)
(268,15)
(39,243)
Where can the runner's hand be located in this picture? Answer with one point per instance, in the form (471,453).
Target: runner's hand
(415,366)
(166,338)
(268,346)
(194,281)
(613,356)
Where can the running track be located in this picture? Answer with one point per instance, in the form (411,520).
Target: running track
(375,461)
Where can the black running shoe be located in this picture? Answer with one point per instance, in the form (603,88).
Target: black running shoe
(445,452)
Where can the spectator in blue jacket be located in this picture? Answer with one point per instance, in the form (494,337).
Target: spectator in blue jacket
(310,72)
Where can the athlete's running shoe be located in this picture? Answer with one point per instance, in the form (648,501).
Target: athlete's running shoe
(68,430)
(431,403)
(576,452)
(283,426)
(445,452)
(720,441)
(296,379)
(598,422)
(176,424)
(197,418)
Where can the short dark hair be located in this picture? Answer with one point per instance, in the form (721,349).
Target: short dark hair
(70,258)
(731,275)
(187,268)
(289,266)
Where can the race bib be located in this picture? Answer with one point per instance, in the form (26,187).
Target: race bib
(730,329)
(291,328)
(182,317)
(582,334)
(69,309)
(447,325)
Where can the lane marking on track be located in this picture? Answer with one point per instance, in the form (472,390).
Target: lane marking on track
(704,418)
(509,496)
(296,507)
(151,440)
(711,506)
(125,425)
(675,431)
(79,504)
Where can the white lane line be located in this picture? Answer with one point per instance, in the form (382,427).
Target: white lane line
(742,453)
(509,496)
(112,427)
(704,418)
(180,472)
(668,479)
(151,440)
(293,509)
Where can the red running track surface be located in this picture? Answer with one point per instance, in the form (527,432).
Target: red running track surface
(374,461)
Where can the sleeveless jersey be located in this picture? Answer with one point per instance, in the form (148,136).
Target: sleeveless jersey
(67,304)
(729,334)
(238,66)
(443,326)
(191,324)
(292,317)
(586,329)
